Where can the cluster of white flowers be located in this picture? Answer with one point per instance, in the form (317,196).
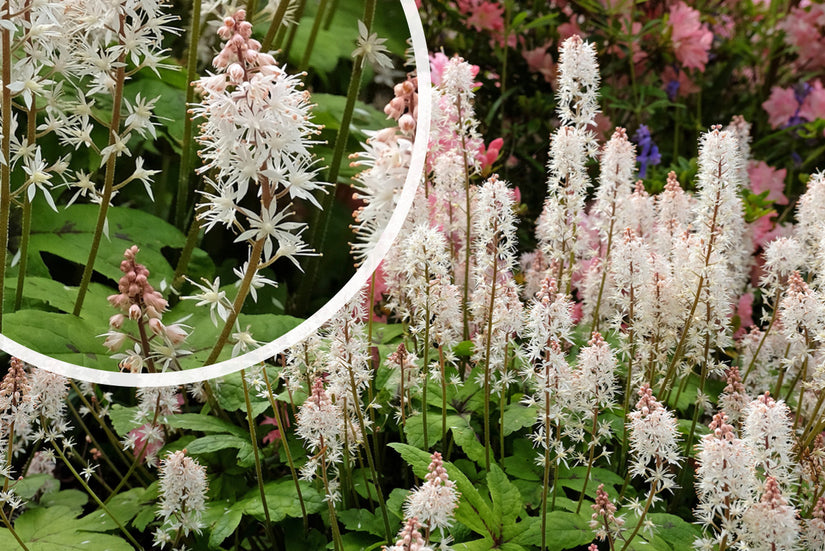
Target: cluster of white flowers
(654,439)
(256,134)
(182,492)
(434,503)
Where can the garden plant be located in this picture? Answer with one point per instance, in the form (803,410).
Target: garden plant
(601,327)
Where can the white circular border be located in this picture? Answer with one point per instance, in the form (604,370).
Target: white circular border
(317,319)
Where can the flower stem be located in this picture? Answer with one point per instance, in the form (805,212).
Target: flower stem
(8,524)
(275,24)
(313,34)
(642,516)
(93,495)
(246,283)
(320,227)
(109,179)
(5,169)
(285,442)
(258,471)
(183,199)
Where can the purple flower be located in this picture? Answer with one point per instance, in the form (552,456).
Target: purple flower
(649,151)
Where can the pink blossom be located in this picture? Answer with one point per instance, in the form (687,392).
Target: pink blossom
(540,61)
(764,177)
(274,434)
(744,309)
(814,105)
(691,40)
(763,230)
(781,106)
(804,28)
(566,30)
(488,157)
(144,448)
(484,15)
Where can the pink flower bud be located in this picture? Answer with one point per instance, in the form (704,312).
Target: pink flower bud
(245,29)
(175,334)
(235,72)
(406,123)
(116,321)
(114,341)
(156,326)
(134,312)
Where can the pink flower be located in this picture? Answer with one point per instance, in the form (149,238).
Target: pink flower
(487,158)
(484,16)
(539,61)
(566,30)
(804,28)
(148,441)
(691,40)
(814,105)
(764,230)
(744,309)
(781,106)
(764,177)
(274,434)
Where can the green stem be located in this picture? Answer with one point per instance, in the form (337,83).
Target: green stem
(109,180)
(487,366)
(320,227)
(246,283)
(427,314)
(24,250)
(258,470)
(333,518)
(285,442)
(187,149)
(313,35)
(368,451)
(8,524)
(94,495)
(186,253)
(275,24)
(590,458)
(642,516)
(5,168)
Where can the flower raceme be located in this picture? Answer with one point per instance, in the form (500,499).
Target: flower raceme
(256,130)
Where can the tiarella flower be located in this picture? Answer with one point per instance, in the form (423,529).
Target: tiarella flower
(256,129)
(809,214)
(654,439)
(604,521)
(767,430)
(725,479)
(409,538)
(182,492)
(734,397)
(371,48)
(578,83)
(212,296)
(771,523)
(434,502)
(813,533)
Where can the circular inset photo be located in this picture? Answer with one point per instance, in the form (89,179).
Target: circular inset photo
(189,194)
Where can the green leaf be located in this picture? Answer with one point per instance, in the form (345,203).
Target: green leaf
(466,438)
(204,423)
(565,530)
(361,520)
(226,524)
(231,396)
(517,417)
(124,507)
(33,483)
(122,419)
(282,500)
(674,530)
(473,511)
(73,499)
(68,234)
(574,479)
(217,442)
(507,504)
(56,529)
